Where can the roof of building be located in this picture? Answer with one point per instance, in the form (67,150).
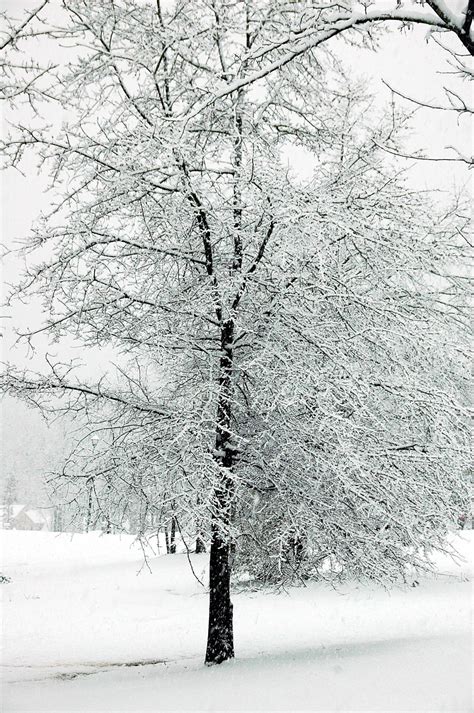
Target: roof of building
(39,516)
(16,509)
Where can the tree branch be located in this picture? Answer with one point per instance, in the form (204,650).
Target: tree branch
(21,27)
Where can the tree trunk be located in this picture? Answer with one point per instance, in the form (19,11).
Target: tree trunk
(173,536)
(167,540)
(89,507)
(200,546)
(220,639)
(108,521)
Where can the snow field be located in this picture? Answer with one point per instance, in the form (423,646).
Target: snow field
(84,630)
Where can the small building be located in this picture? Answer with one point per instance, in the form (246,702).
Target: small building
(23,517)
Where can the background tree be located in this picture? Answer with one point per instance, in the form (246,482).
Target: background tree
(280,352)
(9,497)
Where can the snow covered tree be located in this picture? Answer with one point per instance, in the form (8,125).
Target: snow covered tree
(278,33)
(9,496)
(293,29)
(289,352)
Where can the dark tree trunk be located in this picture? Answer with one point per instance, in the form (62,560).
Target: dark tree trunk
(89,506)
(200,546)
(220,639)
(297,546)
(108,521)
(167,540)
(173,536)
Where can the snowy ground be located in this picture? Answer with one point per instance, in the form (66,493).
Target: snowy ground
(82,631)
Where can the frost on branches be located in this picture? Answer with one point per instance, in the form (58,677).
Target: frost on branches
(290,353)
